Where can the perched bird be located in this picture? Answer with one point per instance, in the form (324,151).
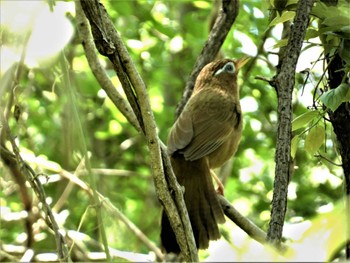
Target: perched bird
(205,136)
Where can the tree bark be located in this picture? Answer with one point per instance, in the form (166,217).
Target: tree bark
(340,120)
(284,83)
(109,43)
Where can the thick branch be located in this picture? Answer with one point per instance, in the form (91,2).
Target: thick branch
(340,120)
(223,23)
(109,43)
(284,83)
(98,71)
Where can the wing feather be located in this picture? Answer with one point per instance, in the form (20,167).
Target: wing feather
(199,133)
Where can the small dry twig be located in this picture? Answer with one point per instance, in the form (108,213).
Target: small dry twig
(34,182)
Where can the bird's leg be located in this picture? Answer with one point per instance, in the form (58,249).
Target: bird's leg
(220,189)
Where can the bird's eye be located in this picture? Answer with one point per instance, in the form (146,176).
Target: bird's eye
(228,68)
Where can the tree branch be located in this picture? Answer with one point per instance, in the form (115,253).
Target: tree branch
(227,16)
(109,43)
(245,224)
(284,83)
(100,74)
(110,209)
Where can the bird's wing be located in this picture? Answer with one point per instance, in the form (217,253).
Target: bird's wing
(181,133)
(211,131)
(197,133)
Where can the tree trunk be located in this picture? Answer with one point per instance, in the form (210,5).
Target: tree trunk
(340,120)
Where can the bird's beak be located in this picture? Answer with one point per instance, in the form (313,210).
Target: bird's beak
(241,61)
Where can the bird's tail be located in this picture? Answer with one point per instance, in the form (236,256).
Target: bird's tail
(201,200)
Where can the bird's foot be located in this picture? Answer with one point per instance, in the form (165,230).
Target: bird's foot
(220,189)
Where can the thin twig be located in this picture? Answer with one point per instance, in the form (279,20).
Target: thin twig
(32,178)
(82,240)
(112,211)
(328,160)
(244,223)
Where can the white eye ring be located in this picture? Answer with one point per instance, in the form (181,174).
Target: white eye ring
(228,68)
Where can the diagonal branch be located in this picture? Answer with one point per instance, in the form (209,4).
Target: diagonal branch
(99,72)
(226,18)
(109,44)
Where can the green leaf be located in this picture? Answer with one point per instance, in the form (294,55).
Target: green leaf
(281,43)
(311,33)
(303,119)
(202,4)
(292,2)
(343,32)
(334,97)
(323,11)
(314,139)
(286,16)
(337,20)
(344,50)
(294,145)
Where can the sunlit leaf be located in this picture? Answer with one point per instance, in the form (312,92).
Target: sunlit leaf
(202,4)
(281,43)
(286,16)
(314,139)
(304,119)
(311,33)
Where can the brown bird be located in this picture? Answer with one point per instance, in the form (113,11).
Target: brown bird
(205,136)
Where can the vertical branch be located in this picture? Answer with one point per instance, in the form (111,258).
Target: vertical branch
(284,83)
(336,69)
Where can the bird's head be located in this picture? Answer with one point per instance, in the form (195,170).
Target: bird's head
(221,74)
